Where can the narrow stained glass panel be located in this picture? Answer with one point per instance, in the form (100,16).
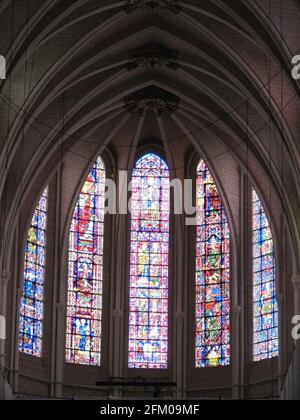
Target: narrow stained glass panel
(149,264)
(265,310)
(32,302)
(85,274)
(212,275)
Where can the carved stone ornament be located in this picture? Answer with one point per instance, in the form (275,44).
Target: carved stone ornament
(152,98)
(153,56)
(169,5)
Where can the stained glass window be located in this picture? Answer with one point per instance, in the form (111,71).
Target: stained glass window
(85,274)
(32,302)
(149,270)
(212,275)
(264,285)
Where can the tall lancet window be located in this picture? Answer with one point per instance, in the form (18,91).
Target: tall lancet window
(149,261)
(32,302)
(265,310)
(212,275)
(85,274)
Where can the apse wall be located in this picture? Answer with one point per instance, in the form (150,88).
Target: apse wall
(194,80)
(51,376)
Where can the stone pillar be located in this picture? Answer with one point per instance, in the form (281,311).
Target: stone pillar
(236,322)
(5,391)
(60,359)
(179,365)
(120,318)
(295,371)
(119,351)
(282,337)
(4,278)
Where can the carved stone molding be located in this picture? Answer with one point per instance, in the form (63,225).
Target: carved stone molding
(153,56)
(180,316)
(237,310)
(117,314)
(4,277)
(296,283)
(152,98)
(169,5)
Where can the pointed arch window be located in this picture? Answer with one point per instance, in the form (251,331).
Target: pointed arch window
(32,302)
(85,272)
(212,274)
(265,306)
(149,264)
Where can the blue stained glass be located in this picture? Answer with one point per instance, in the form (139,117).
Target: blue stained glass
(32,302)
(85,272)
(265,306)
(212,275)
(149,264)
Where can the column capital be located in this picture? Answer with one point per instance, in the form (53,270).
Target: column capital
(296,282)
(179,316)
(237,310)
(4,277)
(117,314)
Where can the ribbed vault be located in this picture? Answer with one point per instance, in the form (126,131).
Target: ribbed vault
(72,66)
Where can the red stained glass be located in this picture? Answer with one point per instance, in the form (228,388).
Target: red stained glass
(149,266)
(85,272)
(212,275)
